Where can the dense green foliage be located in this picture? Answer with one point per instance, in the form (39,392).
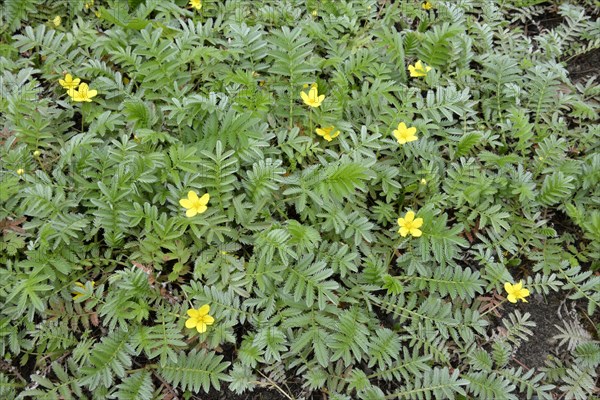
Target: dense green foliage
(298,254)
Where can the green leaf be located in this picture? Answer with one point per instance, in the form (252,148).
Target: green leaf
(195,371)
(108,359)
(135,387)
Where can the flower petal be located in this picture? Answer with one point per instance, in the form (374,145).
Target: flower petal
(518,286)
(416,232)
(201,327)
(508,287)
(191,212)
(204,199)
(191,323)
(192,196)
(208,320)
(205,309)
(417,223)
(192,312)
(410,216)
(403,231)
(397,135)
(185,203)
(304,97)
(200,209)
(524,293)
(511,297)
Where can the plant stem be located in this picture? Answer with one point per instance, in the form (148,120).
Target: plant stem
(493,308)
(291,104)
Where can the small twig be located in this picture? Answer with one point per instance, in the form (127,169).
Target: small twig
(58,360)
(592,324)
(381,9)
(521,364)
(276,386)
(9,367)
(492,309)
(169,387)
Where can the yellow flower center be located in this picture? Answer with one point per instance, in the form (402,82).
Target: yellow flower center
(409,225)
(197,204)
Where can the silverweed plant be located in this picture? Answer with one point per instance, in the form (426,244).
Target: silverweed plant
(299,199)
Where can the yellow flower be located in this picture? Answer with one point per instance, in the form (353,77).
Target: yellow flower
(312,98)
(199,318)
(82,286)
(84,93)
(57,20)
(418,69)
(326,133)
(69,83)
(197,4)
(405,134)
(20,171)
(37,153)
(194,204)
(427,6)
(409,224)
(516,292)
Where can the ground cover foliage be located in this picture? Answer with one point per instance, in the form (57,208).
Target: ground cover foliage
(312,290)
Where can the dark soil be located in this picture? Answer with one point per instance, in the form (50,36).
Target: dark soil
(294,391)
(543,23)
(585,66)
(257,394)
(544,312)
(580,68)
